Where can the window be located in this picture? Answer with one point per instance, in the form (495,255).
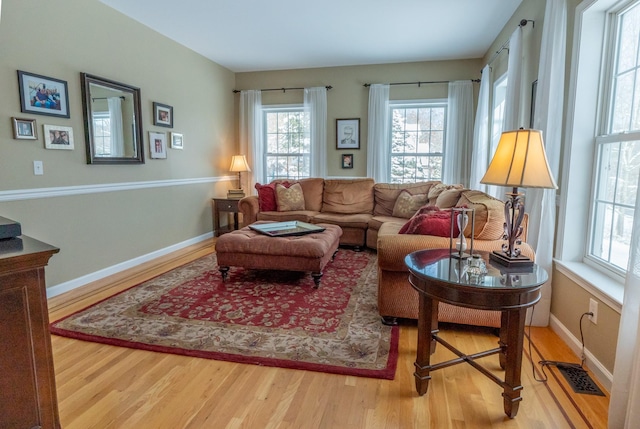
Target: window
(102,133)
(288,143)
(497,119)
(618,147)
(417,141)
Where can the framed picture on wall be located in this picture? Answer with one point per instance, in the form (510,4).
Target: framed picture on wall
(24,129)
(177,141)
(348,133)
(162,115)
(58,137)
(43,95)
(157,145)
(347,160)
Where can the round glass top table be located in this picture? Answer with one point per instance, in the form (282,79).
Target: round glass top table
(440,277)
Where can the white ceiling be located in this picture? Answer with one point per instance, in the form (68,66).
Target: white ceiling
(258,35)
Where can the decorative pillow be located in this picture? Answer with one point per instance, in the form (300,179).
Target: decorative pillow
(489,215)
(448,198)
(430,220)
(266,197)
(436,190)
(289,199)
(407,204)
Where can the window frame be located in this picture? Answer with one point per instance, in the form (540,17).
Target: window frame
(266,109)
(418,103)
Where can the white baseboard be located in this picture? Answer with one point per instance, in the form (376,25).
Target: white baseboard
(114,269)
(597,369)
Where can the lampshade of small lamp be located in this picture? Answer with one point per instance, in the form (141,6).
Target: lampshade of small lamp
(239,164)
(520,161)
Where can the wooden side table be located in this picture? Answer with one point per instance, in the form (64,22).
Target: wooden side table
(224,205)
(440,278)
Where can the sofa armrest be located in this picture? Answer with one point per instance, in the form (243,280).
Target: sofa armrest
(393,248)
(249,208)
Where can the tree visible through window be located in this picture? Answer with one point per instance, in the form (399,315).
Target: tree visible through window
(417,141)
(618,150)
(288,143)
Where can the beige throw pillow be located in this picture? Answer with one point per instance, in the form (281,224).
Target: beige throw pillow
(407,204)
(289,199)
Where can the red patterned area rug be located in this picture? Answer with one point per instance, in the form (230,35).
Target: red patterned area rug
(272,318)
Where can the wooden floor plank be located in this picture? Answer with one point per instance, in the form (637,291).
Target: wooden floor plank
(103,386)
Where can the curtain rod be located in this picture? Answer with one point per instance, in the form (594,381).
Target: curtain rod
(523,22)
(235,91)
(105,98)
(367,85)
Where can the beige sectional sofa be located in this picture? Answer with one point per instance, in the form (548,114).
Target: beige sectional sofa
(372,214)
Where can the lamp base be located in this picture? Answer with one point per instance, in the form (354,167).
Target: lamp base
(502,259)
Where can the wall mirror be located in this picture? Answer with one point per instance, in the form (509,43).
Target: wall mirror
(112,121)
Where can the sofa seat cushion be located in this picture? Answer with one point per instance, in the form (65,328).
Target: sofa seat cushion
(376,221)
(386,194)
(489,215)
(359,221)
(301,215)
(348,196)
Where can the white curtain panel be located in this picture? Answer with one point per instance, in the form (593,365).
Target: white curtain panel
(315,104)
(513,97)
(459,139)
(541,203)
(480,155)
(115,125)
(251,138)
(624,406)
(378,138)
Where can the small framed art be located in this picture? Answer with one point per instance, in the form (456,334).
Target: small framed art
(347,160)
(177,141)
(43,95)
(58,137)
(348,133)
(24,129)
(162,115)
(158,145)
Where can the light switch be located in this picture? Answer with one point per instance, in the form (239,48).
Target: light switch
(38,168)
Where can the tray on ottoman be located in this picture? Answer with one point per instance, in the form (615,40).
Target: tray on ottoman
(285,229)
(250,249)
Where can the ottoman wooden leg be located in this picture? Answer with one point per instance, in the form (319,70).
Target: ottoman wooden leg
(316,279)
(224,271)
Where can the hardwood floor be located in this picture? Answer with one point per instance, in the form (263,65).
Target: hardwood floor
(102,386)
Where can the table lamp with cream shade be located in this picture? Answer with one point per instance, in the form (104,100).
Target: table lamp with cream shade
(520,161)
(238,165)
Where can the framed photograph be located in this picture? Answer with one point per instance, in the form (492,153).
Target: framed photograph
(58,137)
(43,95)
(158,145)
(162,115)
(177,141)
(348,133)
(347,160)
(24,129)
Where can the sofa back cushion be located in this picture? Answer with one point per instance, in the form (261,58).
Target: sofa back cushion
(386,194)
(348,196)
(489,215)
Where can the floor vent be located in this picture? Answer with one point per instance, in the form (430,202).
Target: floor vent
(579,380)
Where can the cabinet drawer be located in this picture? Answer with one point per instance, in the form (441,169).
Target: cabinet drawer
(227,206)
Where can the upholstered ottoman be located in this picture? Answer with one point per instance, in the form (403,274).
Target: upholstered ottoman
(250,249)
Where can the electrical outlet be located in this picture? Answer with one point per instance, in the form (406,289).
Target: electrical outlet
(593,308)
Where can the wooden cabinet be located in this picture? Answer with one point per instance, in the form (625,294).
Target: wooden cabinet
(27,383)
(224,205)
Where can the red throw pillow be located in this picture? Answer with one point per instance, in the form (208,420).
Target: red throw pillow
(267,196)
(430,221)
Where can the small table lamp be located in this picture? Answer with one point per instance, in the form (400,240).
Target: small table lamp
(519,161)
(238,164)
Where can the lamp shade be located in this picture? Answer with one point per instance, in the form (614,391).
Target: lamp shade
(239,164)
(520,161)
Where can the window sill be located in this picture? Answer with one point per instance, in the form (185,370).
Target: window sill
(603,287)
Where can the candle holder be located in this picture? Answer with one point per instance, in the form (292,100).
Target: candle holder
(460,216)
